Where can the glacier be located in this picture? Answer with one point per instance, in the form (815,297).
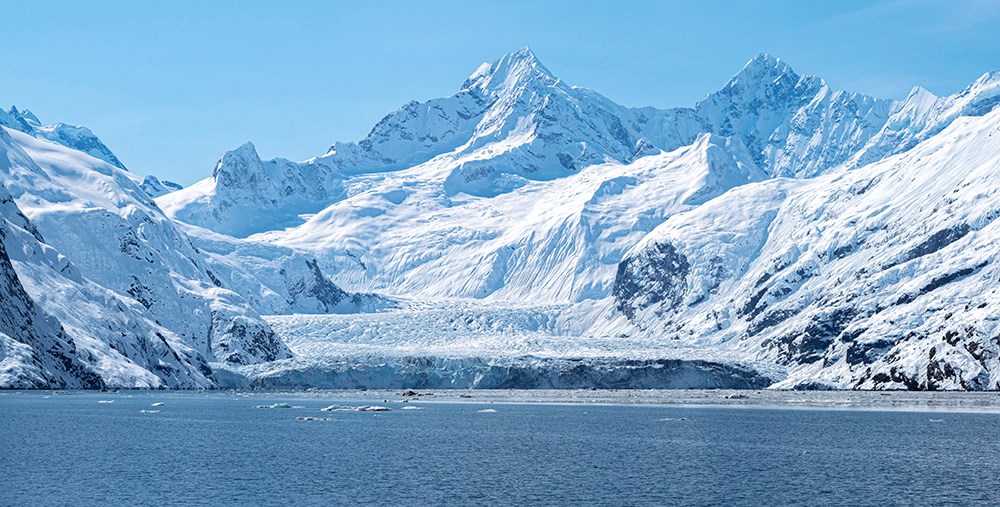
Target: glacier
(525,232)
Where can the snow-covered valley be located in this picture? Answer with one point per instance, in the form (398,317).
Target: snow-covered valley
(526,233)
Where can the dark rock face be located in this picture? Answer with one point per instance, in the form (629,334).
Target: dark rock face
(656,277)
(937,241)
(241,340)
(323,289)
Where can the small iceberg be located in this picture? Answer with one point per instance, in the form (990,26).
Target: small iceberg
(487,411)
(674,419)
(307,418)
(276,405)
(157,404)
(144,411)
(362,408)
(412,407)
(105,401)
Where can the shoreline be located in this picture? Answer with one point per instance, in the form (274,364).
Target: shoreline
(987,402)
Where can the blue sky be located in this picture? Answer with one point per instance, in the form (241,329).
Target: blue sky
(170,86)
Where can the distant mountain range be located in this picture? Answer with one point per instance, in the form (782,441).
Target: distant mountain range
(526,233)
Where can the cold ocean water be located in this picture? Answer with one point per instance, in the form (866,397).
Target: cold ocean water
(217,448)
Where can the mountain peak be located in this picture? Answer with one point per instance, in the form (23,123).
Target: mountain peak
(512,71)
(764,66)
(246,148)
(236,161)
(28,115)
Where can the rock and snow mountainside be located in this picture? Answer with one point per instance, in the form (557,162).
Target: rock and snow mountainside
(63,330)
(155,188)
(528,233)
(125,285)
(883,277)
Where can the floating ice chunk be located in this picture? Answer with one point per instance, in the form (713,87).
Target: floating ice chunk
(157,404)
(362,408)
(412,407)
(333,408)
(307,418)
(486,411)
(674,419)
(105,401)
(276,405)
(144,411)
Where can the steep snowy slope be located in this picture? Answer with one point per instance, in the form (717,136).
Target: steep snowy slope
(554,241)
(61,330)
(34,349)
(883,277)
(95,214)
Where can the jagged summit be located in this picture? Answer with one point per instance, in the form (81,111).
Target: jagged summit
(765,64)
(28,115)
(512,71)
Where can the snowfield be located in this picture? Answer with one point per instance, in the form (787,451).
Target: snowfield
(528,233)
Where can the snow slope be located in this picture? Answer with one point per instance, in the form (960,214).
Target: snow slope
(552,241)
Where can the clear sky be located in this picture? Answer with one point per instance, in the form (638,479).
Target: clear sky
(170,86)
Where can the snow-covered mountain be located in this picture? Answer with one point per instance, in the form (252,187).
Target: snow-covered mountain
(525,232)
(883,277)
(155,188)
(63,330)
(117,275)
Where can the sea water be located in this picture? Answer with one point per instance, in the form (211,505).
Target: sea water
(220,449)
